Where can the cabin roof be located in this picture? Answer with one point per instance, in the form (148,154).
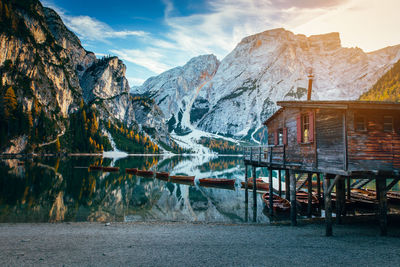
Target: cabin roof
(339,104)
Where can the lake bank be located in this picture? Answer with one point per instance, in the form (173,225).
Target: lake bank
(194,244)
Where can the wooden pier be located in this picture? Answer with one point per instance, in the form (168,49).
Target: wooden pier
(336,141)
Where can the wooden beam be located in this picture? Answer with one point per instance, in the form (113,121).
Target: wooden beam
(287,184)
(319,187)
(328,206)
(293,211)
(340,200)
(345,146)
(395,181)
(381,192)
(254,187)
(330,188)
(246,184)
(280,183)
(271,193)
(348,187)
(309,195)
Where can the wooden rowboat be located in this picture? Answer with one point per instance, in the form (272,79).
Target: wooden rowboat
(162,175)
(95,168)
(393,196)
(182,178)
(260,184)
(217,181)
(131,170)
(110,169)
(279,204)
(144,173)
(302,198)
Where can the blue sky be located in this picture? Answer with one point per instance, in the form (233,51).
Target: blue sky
(156,35)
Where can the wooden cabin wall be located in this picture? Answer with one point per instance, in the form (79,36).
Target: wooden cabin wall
(373,149)
(329,137)
(295,153)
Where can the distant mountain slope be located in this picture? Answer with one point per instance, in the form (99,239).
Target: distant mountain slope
(240,92)
(387,88)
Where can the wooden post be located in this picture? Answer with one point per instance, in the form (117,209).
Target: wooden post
(293,211)
(382,197)
(246,184)
(340,199)
(328,206)
(319,187)
(309,195)
(280,183)
(271,193)
(254,187)
(287,184)
(348,187)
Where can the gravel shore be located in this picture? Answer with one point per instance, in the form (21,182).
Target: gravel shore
(190,244)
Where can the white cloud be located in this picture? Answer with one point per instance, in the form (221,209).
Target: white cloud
(148,58)
(91,29)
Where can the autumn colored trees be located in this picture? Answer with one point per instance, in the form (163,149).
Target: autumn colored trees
(130,140)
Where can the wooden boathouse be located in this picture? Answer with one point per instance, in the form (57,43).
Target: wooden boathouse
(338,141)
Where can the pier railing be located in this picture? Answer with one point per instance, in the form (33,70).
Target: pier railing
(265,154)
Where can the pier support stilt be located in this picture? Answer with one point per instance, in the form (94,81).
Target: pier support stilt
(293,208)
(254,187)
(348,188)
(328,206)
(309,194)
(246,184)
(280,183)
(340,200)
(319,187)
(382,197)
(271,193)
(287,184)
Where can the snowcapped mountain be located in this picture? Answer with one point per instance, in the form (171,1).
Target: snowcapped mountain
(233,97)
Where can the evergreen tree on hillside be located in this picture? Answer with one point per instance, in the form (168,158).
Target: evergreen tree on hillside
(387,88)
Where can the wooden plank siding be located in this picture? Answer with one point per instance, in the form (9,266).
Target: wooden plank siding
(337,146)
(329,134)
(373,149)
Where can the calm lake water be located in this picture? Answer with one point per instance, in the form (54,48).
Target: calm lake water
(63,189)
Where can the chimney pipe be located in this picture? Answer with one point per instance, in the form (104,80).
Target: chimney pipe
(310,80)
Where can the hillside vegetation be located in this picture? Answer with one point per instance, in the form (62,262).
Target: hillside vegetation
(387,88)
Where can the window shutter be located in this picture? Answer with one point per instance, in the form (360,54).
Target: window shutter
(276,138)
(285,136)
(299,129)
(311,117)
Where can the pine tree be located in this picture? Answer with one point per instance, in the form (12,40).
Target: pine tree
(10,103)
(58,145)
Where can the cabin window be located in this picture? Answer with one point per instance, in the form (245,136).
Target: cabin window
(359,123)
(280,137)
(388,123)
(305,128)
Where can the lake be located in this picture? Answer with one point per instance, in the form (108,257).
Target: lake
(63,189)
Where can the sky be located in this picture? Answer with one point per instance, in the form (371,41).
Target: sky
(152,36)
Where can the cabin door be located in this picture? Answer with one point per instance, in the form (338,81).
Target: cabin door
(329,137)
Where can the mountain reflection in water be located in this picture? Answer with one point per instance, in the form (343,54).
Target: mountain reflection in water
(54,189)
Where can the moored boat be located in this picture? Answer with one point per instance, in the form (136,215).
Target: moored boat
(110,169)
(217,181)
(260,184)
(131,170)
(144,173)
(302,199)
(182,178)
(162,175)
(279,204)
(95,168)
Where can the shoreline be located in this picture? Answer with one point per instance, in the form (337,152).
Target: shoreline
(194,244)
